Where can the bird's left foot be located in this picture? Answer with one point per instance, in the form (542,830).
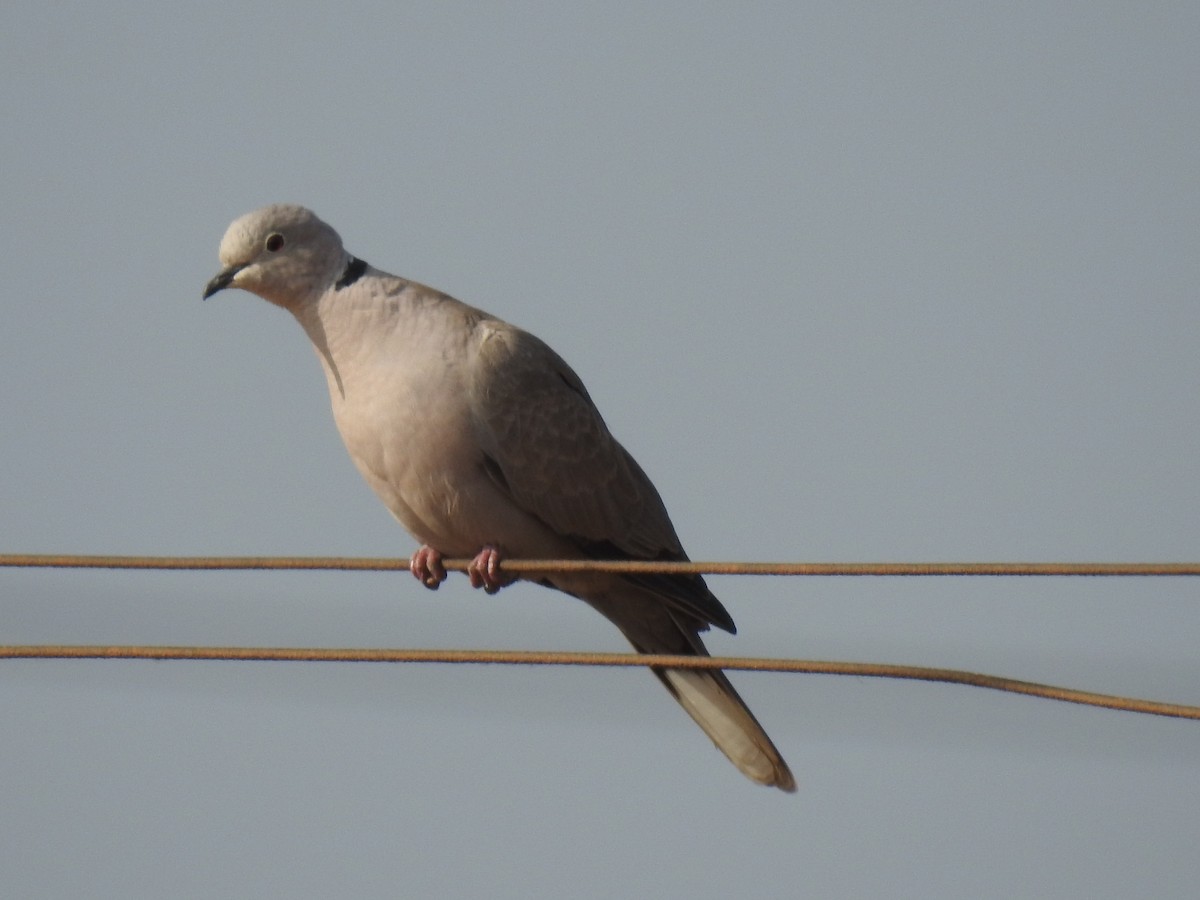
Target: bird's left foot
(485,573)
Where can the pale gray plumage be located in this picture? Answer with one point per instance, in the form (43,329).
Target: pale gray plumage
(476,435)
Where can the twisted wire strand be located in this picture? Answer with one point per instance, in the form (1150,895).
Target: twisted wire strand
(567,658)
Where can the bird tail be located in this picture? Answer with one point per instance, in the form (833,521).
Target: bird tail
(710,699)
(656,627)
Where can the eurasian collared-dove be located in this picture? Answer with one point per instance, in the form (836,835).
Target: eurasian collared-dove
(484,443)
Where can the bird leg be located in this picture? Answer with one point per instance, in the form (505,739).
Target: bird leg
(484,570)
(426,566)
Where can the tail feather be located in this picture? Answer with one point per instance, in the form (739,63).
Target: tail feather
(710,699)
(653,625)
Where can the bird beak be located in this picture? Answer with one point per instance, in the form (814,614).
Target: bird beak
(223,279)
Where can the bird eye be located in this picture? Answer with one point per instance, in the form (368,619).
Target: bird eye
(274,242)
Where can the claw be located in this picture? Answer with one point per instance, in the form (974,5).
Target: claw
(426,566)
(484,570)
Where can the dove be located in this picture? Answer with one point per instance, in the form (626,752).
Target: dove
(484,444)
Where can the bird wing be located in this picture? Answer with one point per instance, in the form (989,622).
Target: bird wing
(546,445)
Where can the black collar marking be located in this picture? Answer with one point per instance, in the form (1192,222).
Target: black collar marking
(354,270)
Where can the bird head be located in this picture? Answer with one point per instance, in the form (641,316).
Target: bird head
(282,253)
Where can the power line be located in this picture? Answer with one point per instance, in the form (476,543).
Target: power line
(534,566)
(566,658)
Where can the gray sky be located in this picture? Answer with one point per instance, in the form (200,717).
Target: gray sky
(852,283)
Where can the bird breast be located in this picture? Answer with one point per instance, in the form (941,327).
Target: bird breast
(396,383)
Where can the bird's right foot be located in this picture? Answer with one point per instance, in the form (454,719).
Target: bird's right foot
(426,566)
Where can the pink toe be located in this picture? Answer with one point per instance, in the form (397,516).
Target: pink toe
(426,566)
(485,571)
